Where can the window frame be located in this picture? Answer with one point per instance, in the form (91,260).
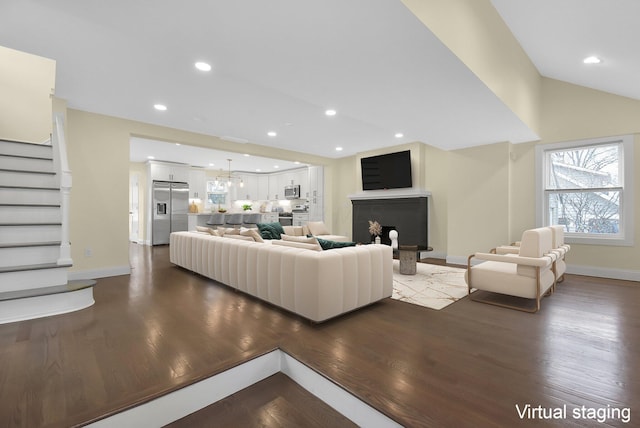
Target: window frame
(625,234)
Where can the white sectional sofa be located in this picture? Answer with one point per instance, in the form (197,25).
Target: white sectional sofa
(317,285)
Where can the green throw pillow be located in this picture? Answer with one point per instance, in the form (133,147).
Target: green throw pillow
(328,245)
(270,230)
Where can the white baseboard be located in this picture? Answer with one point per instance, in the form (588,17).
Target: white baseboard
(99,273)
(190,399)
(456,260)
(432,254)
(600,272)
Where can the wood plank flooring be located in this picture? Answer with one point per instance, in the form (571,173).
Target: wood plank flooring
(162,328)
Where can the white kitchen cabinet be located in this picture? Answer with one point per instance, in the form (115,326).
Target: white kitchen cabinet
(300,219)
(263,187)
(249,189)
(197,184)
(276,188)
(168,172)
(316,193)
(302,178)
(270,217)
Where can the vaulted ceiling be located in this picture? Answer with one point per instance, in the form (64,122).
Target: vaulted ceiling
(278,65)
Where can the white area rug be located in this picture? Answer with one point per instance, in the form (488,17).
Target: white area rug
(432,286)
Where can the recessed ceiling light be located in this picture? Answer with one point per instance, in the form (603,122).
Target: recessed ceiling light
(160,107)
(246,155)
(330,112)
(178,144)
(272,133)
(338,149)
(151,157)
(297,163)
(212,164)
(592,60)
(276,166)
(203,66)
(258,170)
(399,135)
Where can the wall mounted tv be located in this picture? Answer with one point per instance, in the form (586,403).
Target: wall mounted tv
(388,171)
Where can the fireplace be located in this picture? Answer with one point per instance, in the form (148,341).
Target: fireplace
(384,238)
(405,210)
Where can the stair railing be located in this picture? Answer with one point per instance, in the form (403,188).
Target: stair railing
(63,173)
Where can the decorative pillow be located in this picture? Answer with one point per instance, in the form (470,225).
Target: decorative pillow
(318,228)
(252,233)
(270,230)
(202,229)
(328,245)
(293,230)
(240,237)
(222,231)
(295,244)
(302,239)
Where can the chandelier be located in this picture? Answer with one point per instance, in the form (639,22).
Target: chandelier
(228,177)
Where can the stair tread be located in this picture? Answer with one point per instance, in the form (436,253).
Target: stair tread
(45,291)
(29,224)
(32,267)
(31,205)
(10,155)
(30,244)
(4,140)
(4,186)
(25,171)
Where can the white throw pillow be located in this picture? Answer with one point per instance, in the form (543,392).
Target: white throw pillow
(318,228)
(303,240)
(295,244)
(252,233)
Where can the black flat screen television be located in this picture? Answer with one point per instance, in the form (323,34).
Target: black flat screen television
(388,171)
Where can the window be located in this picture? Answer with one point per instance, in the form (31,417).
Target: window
(216,194)
(585,186)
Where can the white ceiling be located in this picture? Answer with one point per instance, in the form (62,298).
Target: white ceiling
(558,34)
(278,64)
(142,148)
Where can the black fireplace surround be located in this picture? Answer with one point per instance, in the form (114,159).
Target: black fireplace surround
(408,215)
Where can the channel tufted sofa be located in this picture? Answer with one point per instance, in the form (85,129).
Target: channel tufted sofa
(317,285)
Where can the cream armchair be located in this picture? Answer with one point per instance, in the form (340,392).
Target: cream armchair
(558,248)
(528,274)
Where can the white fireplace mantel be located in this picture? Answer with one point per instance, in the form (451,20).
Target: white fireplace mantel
(409,192)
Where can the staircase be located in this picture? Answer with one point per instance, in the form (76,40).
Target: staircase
(34,258)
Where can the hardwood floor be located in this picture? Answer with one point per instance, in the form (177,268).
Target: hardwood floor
(470,364)
(274,402)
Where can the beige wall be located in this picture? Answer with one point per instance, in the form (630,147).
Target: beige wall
(478,203)
(26,85)
(485,196)
(428,167)
(474,31)
(573,112)
(492,188)
(99,160)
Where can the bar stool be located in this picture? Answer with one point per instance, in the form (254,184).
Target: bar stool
(216,219)
(233,220)
(251,220)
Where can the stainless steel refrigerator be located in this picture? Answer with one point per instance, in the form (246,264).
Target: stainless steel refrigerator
(170,207)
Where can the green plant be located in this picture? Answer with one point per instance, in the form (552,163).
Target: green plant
(246,207)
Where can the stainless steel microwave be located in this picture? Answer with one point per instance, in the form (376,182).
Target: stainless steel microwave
(292,192)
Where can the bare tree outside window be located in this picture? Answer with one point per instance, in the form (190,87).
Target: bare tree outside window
(583,188)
